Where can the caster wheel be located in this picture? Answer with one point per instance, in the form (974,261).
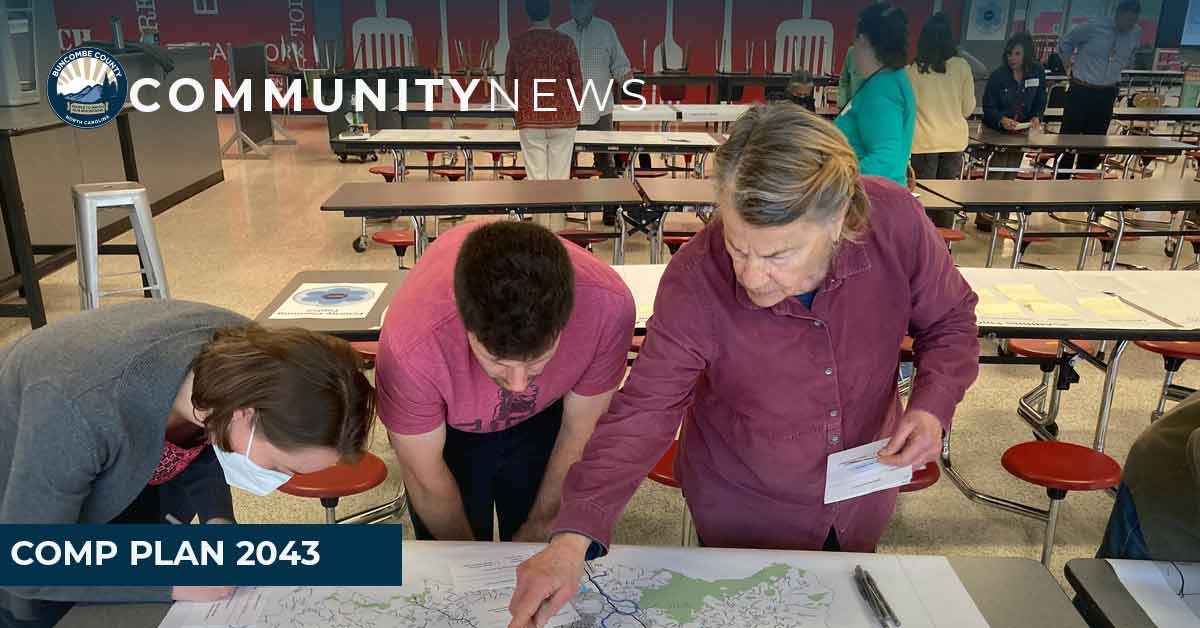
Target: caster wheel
(374,157)
(342,158)
(362,159)
(360,244)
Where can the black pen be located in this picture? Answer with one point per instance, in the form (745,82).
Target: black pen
(882,600)
(864,590)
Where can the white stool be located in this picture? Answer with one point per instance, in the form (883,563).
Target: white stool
(89,199)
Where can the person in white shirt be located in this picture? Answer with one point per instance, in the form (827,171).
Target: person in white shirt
(604,63)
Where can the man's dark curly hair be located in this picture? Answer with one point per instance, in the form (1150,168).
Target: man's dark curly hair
(515,288)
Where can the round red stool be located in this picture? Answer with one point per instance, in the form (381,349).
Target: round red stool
(1039,175)
(516,174)
(649,174)
(1045,350)
(387,172)
(453,173)
(583,237)
(1026,240)
(923,478)
(675,242)
(367,350)
(1109,175)
(398,239)
(1174,354)
(585,173)
(340,480)
(663,472)
(1059,468)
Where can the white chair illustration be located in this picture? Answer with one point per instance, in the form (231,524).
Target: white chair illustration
(382,41)
(804,44)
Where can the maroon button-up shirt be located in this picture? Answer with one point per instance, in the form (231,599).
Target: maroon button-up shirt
(766,394)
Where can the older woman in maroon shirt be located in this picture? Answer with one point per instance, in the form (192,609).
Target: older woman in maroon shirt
(774,340)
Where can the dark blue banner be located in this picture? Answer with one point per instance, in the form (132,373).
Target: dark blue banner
(200,555)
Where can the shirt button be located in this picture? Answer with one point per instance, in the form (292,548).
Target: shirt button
(833,413)
(829,371)
(817,323)
(835,438)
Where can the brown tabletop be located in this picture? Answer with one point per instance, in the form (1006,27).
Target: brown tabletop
(1053,142)
(1042,196)
(424,198)
(366,328)
(662,192)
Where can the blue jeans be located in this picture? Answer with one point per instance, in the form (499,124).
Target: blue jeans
(1123,537)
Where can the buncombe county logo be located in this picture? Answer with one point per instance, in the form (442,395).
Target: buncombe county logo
(87,88)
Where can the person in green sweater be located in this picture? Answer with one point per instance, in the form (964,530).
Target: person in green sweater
(878,121)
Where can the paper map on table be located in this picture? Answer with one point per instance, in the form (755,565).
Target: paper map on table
(330,301)
(1054,299)
(1168,592)
(661,587)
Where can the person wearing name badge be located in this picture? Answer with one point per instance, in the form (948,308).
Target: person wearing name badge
(945,94)
(546,124)
(775,343)
(1094,55)
(135,412)
(498,354)
(1013,102)
(878,121)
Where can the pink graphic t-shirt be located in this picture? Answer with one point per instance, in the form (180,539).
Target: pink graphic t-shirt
(426,375)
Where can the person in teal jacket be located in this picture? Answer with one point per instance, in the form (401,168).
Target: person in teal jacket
(878,121)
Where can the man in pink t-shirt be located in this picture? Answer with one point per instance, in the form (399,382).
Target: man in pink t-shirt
(502,348)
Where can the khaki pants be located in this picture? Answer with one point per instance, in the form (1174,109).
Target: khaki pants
(547,152)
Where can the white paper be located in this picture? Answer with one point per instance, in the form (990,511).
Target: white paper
(241,609)
(857,472)
(941,590)
(1147,583)
(330,301)
(490,572)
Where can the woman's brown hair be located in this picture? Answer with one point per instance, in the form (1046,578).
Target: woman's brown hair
(306,389)
(782,163)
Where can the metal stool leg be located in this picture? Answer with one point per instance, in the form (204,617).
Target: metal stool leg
(1056,497)
(143,229)
(330,505)
(87,251)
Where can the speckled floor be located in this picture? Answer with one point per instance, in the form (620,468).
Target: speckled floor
(236,244)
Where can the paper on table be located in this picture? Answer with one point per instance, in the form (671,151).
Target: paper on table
(1021,292)
(1111,309)
(857,472)
(1006,309)
(987,296)
(1051,309)
(489,573)
(330,301)
(241,609)
(942,590)
(1147,583)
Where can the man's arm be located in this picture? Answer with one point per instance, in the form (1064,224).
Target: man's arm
(579,418)
(430,485)
(619,65)
(1071,43)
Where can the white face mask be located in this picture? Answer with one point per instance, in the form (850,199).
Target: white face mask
(240,470)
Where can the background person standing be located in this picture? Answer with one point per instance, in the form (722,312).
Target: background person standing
(1095,54)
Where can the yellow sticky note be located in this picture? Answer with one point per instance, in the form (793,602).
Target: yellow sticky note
(1050,309)
(1006,309)
(1110,309)
(1021,292)
(987,296)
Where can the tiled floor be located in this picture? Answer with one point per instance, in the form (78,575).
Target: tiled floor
(238,243)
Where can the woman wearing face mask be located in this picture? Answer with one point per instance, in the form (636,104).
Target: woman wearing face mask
(774,342)
(800,90)
(137,411)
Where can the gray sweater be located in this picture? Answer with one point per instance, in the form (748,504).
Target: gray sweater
(84,404)
(1163,474)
